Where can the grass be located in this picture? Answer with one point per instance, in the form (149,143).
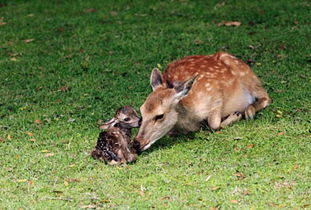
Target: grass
(82,64)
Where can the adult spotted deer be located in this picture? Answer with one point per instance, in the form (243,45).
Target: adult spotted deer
(219,88)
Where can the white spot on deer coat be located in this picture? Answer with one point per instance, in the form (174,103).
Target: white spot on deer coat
(209,89)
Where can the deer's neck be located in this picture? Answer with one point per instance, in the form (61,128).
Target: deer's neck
(187,120)
(181,110)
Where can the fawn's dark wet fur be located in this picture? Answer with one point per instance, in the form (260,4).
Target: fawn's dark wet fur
(114,145)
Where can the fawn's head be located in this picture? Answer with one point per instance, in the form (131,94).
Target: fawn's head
(158,112)
(125,117)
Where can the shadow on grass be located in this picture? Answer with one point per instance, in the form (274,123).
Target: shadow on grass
(170,141)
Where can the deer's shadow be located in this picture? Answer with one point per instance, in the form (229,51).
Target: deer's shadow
(170,141)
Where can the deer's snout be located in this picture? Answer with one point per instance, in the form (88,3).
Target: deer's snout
(138,144)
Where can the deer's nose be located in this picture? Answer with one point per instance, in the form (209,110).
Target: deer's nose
(139,122)
(136,146)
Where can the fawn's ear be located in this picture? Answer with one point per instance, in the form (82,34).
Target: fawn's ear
(110,124)
(183,88)
(156,79)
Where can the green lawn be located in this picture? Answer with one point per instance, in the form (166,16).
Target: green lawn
(64,65)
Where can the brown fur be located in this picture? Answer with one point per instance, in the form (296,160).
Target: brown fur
(224,87)
(114,145)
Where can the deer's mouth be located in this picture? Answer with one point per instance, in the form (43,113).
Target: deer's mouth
(141,144)
(136,147)
(148,145)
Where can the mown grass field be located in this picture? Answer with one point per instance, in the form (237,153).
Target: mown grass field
(64,65)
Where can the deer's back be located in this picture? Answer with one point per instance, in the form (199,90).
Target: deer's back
(223,80)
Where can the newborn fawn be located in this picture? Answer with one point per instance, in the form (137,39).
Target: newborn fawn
(114,145)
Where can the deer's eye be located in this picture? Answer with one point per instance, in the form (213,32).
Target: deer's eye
(127,119)
(159,117)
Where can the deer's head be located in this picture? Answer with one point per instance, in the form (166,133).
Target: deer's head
(159,114)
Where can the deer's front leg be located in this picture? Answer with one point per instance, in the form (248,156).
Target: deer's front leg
(214,121)
(234,117)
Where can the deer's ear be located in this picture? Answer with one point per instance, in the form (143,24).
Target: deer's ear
(182,89)
(111,123)
(156,79)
